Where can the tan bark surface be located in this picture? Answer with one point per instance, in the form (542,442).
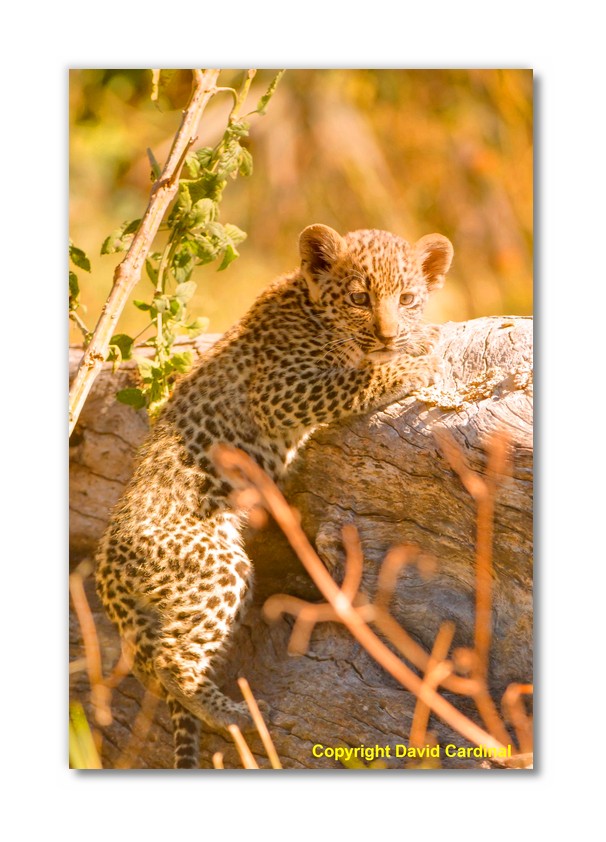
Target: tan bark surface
(386,473)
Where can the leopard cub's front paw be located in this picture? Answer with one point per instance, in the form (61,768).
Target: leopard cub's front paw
(426,372)
(431,336)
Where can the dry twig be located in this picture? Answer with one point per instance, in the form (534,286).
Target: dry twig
(437,670)
(246,755)
(143,723)
(259,723)
(238,465)
(100,693)
(513,707)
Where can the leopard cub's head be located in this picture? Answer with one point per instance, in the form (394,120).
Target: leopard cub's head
(371,286)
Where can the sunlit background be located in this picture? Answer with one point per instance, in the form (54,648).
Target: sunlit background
(408,151)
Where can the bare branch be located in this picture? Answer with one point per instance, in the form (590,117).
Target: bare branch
(235,463)
(437,670)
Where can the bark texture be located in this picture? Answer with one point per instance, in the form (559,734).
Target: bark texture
(385,473)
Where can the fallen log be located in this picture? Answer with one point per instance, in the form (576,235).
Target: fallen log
(386,473)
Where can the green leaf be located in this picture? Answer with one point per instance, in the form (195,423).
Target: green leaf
(132,227)
(183,265)
(121,238)
(237,128)
(235,234)
(204,249)
(124,343)
(114,355)
(202,159)
(161,303)
(203,211)
(132,397)
(182,362)
(216,230)
(198,325)
(193,166)
(74,286)
(246,162)
(183,197)
(83,753)
(156,169)
(157,391)
(230,255)
(185,291)
(79,258)
(145,366)
(141,305)
(209,185)
(152,272)
(176,307)
(262,104)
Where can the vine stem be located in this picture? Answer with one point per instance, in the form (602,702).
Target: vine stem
(128,271)
(85,331)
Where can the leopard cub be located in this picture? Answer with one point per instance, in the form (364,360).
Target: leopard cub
(342,334)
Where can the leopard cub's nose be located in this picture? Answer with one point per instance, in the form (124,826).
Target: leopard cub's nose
(387,338)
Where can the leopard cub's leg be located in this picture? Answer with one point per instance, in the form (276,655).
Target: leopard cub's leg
(196,630)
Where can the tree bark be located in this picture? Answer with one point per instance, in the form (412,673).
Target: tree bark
(385,473)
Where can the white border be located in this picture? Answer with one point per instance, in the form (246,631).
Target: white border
(564,47)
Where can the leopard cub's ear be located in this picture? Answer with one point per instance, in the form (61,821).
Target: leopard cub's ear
(435,254)
(319,247)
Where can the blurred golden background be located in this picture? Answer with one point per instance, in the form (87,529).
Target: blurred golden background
(409,151)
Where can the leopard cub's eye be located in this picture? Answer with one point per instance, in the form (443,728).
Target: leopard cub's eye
(406,299)
(360,299)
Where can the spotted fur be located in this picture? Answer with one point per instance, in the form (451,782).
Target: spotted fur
(341,335)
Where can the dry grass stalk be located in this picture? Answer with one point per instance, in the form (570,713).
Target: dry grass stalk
(143,723)
(246,755)
(484,493)
(515,712)
(259,723)
(100,693)
(437,670)
(101,689)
